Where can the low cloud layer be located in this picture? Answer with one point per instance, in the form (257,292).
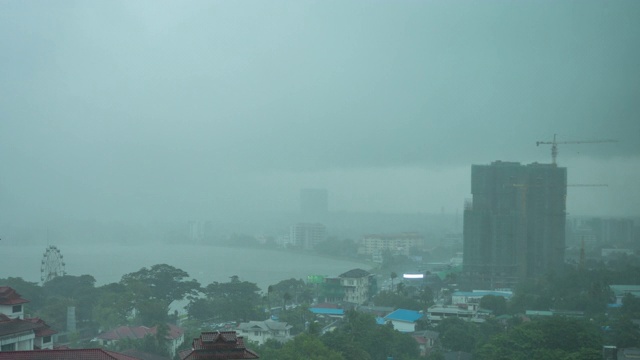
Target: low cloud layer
(130,109)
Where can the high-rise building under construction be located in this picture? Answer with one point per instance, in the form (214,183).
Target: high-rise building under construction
(514,227)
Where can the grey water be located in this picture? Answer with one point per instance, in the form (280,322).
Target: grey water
(205,263)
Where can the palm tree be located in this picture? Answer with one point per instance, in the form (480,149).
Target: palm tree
(393,276)
(269,292)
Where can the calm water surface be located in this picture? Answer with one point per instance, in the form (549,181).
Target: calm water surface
(108,262)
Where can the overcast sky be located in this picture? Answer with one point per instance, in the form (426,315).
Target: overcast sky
(138,110)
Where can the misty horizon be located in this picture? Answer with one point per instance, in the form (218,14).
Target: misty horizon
(160,111)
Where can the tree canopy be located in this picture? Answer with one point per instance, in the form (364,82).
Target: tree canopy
(164,282)
(360,337)
(546,338)
(231,301)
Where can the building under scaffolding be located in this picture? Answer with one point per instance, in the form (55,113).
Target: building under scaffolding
(514,227)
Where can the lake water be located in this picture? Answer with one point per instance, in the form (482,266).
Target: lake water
(108,262)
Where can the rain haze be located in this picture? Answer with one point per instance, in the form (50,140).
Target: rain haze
(228,174)
(170,111)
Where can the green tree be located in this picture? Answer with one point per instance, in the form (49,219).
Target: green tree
(202,310)
(625,333)
(113,306)
(235,300)
(393,277)
(548,338)
(28,290)
(457,334)
(79,292)
(586,291)
(55,312)
(360,337)
(300,291)
(286,298)
(151,311)
(497,304)
(425,297)
(630,306)
(296,317)
(269,294)
(397,300)
(303,346)
(164,282)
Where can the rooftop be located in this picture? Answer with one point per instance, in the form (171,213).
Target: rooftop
(404,315)
(327,311)
(8,296)
(15,326)
(65,354)
(218,345)
(355,273)
(264,325)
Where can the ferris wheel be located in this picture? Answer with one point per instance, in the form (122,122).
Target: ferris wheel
(52,264)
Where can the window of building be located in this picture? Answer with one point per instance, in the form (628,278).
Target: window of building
(17,308)
(46,339)
(8,347)
(256,333)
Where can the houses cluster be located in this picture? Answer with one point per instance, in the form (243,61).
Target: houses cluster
(18,332)
(23,338)
(31,338)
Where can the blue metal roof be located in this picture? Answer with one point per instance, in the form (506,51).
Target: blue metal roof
(404,315)
(327,311)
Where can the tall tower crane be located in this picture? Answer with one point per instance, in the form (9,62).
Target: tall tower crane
(554,145)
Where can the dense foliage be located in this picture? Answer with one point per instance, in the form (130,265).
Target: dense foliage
(546,338)
(231,301)
(143,298)
(359,337)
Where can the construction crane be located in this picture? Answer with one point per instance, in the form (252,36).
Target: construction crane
(554,145)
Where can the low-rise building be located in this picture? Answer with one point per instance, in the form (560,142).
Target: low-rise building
(400,244)
(11,303)
(619,291)
(357,285)
(63,354)
(471,299)
(16,332)
(261,331)
(225,345)
(307,235)
(354,286)
(404,320)
(437,313)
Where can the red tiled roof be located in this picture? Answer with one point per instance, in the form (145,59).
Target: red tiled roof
(143,355)
(67,354)
(218,345)
(8,296)
(43,329)
(15,326)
